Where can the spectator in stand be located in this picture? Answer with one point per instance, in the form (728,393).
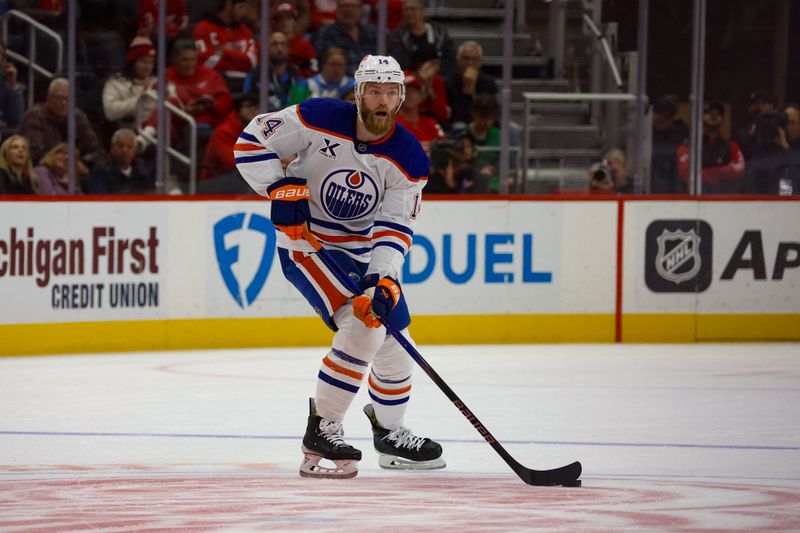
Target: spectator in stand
(611,175)
(424,128)
(467,82)
(219,152)
(196,89)
(332,80)
(772,166)
(177,18)
(16,169)
(434,93)
(349,33)
(225,43)
(52,174)
(760,102)
(12,94)
(723,162)
(792,111)
(483,132)
(416,38)
(122,91)
(286,86)
(394,14)
(124,173)
(322,13)
(669,132)
(200,90)
(45,125)
(302,55)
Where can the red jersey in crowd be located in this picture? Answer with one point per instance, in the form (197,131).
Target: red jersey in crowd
(204,81)
(426,130)
(219,151)
(228,49)
(322,12)
(177,17)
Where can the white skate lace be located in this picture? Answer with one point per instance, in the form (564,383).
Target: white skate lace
(405,439)
(332,432)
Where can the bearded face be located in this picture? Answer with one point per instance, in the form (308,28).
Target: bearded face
(378,122)
(378,107)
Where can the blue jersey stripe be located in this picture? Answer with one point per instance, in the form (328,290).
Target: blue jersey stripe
(256,158)
(388,402)
(339,227)
(397,247)
(336,383)
(396,226)
(247,137)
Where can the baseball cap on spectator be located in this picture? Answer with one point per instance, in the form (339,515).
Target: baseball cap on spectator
(285,8)
(664,106)
(714,105)
(412,80)
(761,95)
(140,47)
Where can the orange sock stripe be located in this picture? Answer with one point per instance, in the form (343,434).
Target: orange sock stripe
(342,370)
(376,388)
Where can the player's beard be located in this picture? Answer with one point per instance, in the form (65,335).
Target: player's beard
(375,124)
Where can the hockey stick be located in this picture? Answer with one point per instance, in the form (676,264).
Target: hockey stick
(566,475)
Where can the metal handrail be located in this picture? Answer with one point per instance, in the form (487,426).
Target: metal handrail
(30,61)
(530,97)
(190,159)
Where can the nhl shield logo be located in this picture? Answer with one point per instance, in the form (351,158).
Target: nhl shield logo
(678,258)
(678,255)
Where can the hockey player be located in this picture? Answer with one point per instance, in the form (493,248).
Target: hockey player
(357,183)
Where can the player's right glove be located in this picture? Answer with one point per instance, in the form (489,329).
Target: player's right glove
(378,300)
(289,211)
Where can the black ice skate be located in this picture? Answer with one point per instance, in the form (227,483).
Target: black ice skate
(324,440)
(401,449)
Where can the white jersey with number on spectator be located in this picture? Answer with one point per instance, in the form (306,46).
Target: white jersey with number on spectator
(365,196)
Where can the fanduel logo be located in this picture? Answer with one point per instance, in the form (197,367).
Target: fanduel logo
(227,257)
(348,194)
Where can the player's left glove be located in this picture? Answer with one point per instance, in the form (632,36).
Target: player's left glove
(378,300)
(289,211)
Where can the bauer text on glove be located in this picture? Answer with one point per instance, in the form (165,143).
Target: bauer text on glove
(289,210)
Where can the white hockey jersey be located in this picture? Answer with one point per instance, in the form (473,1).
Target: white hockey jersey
(365,196)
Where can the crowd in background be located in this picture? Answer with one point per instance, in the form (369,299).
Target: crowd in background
(314,46)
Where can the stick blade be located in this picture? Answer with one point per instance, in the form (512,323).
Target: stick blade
(564,475)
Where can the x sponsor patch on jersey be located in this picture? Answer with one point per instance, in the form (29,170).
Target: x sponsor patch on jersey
(329,150)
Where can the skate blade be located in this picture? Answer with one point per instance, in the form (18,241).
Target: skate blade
(393,462)
(342,469)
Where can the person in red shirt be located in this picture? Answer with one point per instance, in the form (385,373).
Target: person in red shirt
(423,127)
(219,151)
(301,52)
(177,18)
(394,12)
(723,165)
(225,43)
(323,12)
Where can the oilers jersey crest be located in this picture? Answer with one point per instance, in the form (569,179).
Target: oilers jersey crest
(365,197)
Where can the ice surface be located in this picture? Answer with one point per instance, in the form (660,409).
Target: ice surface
(672,438)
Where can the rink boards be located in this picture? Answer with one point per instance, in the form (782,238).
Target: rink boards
(104,274)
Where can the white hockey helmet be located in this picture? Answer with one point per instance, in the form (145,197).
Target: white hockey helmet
(379,69)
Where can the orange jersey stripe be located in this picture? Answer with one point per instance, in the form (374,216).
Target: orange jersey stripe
(242,147)
(340,238)
(342,370)
(376,388)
